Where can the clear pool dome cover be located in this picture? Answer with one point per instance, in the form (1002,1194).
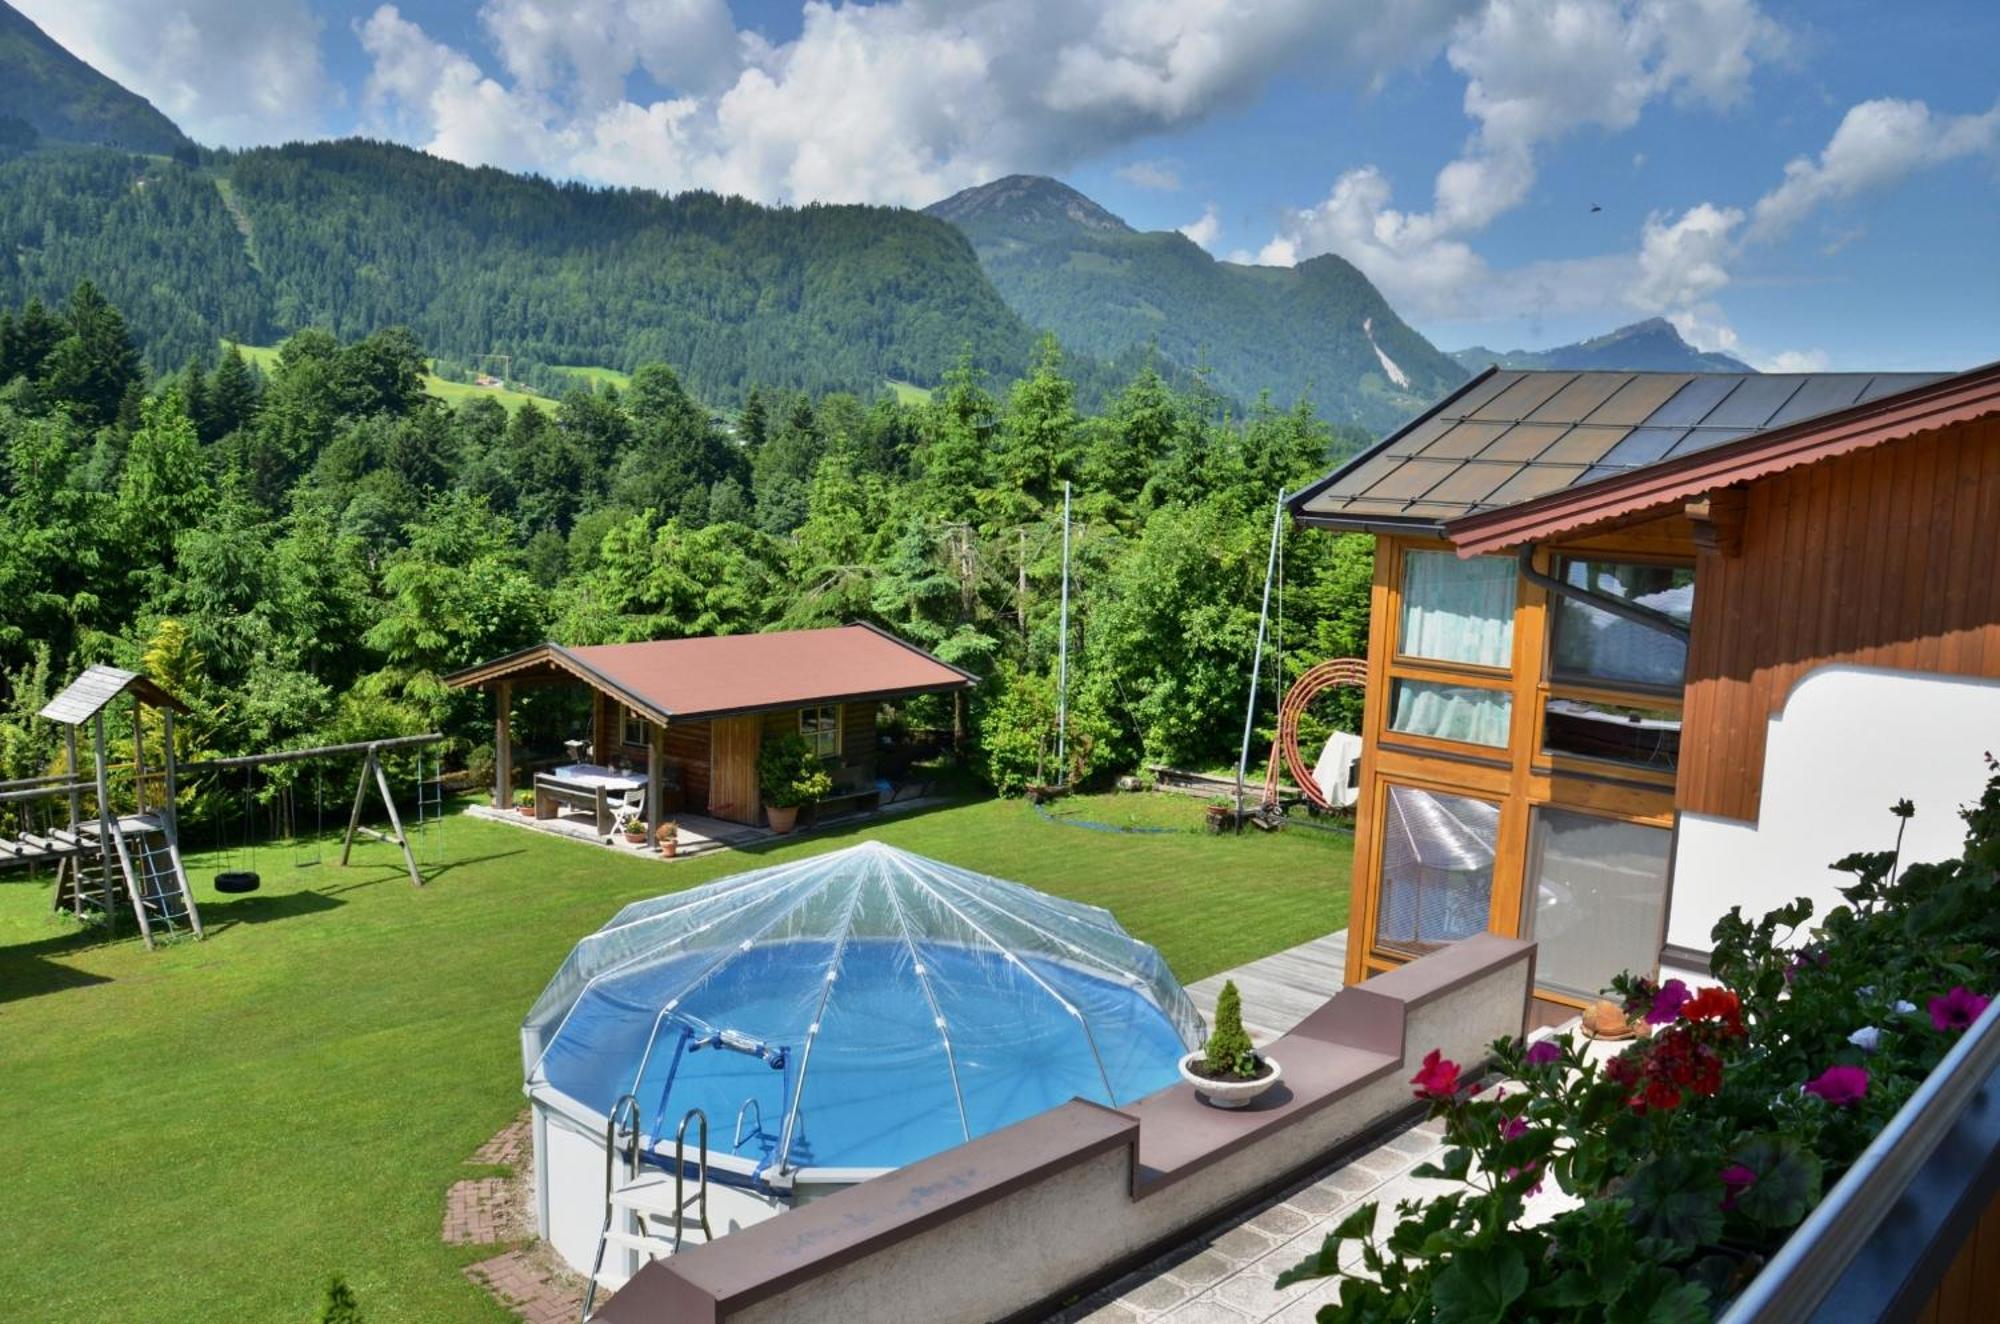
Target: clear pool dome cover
(859,1009)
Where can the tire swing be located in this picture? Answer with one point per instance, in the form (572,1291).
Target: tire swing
(235,882)
(1338,673)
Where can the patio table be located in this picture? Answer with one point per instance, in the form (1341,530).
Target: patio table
(587,786)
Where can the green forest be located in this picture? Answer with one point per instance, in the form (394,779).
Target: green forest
(358,236)
(302,555)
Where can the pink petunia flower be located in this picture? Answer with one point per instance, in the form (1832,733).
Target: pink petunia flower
(1736,1179)
(1840,1086)
(1957,1010)
(1543,1052)
(1438,1078)
(1667,1003)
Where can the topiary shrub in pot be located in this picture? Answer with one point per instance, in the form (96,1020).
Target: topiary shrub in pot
(1228,1072)
(789,775)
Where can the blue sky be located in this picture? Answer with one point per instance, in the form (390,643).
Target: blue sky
(1804,185)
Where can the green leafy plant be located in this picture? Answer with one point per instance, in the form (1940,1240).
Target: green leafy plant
(789,773)
(337,1305)
(524,799)
(1697,1152)
(1228,1051)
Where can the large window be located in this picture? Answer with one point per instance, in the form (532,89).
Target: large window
(820,726)
(1594,646)
(1457,609)
(1596,899)
(1437,868)
(1451,712)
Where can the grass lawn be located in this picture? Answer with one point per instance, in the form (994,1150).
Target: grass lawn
(207,1131)
(452,393)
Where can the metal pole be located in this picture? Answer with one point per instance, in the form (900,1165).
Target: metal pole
(1257,661)
(1062,659)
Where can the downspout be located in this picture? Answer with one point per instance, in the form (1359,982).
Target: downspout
(1631,611)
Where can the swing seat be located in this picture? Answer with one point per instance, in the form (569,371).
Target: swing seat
(237,881)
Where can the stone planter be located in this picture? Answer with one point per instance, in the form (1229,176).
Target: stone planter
(783,819)
(1229,1093)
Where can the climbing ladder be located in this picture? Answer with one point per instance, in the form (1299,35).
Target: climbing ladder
(149,866)
(643,1197)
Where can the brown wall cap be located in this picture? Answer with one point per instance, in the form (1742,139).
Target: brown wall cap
(713,1281)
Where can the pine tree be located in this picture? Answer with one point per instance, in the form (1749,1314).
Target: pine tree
(195,394)
(1229,1049)
(750,424)
(338,1306)
(95,368)
(26,342)
(233,396)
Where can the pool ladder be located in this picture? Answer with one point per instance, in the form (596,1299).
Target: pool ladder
(643,1195)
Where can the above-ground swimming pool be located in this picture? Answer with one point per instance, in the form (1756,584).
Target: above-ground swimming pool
(843,1015)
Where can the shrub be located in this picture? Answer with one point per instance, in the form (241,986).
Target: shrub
(479,765)
(789,773)
(338,1305)
(1698,1152)
(1229,1052)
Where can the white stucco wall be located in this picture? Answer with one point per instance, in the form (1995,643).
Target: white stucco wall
(1850,742)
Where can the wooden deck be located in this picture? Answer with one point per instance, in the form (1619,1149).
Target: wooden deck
(1282,989)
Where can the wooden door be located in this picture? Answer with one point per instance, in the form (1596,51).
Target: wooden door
(732,768)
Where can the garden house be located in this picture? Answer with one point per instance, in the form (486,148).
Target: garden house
(1647,646)
(688,716)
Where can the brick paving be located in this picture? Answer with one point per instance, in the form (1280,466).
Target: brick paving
(485,1211)
(529,1279)
(529,1284)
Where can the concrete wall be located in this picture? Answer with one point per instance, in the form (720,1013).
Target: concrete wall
(1850,742)
(994,1227)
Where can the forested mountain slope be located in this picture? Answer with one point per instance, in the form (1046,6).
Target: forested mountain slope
(355,236)
(60,96)
(1318,331)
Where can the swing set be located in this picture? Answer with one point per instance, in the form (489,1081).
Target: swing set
(241,874)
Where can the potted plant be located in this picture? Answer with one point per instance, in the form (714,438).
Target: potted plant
(789,775)
(524,803)
(668,834)
(1227,1071)
(635,831)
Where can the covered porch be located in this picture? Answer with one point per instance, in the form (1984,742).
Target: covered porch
(673,728)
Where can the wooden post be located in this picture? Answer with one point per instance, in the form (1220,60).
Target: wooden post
(656,739)
(170,812)
(395,820)
(354,818)
(75,776)
(503,746)
(601,732)
(138,756)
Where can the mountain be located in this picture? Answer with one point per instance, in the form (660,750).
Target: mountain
(62,97)
(1649,346)
(355,236)
(1318,330)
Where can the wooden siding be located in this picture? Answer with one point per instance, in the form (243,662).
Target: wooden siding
(732,789)
(687,752)
(1881,558)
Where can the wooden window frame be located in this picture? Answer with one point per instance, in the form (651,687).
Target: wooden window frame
(631,728)
(830,717)
(1435,671)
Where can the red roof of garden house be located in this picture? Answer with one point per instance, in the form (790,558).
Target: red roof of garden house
(718,675)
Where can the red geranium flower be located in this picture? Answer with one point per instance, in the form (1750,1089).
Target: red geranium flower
(1439,1077)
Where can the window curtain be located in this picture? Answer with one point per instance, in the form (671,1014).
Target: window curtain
(1457,610)
(1452,712)
(1437,867)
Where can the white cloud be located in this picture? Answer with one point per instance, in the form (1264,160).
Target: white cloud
(1685,261)
(1536,71)
(1155,175)
(1206,228)
(1878,144)
(902,101)
(227,73)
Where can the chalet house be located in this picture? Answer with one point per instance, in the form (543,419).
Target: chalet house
(1646,646)
(692,714)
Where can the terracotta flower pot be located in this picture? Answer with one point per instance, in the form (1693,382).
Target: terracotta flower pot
(670,848)
(1229,1093)
(783,818)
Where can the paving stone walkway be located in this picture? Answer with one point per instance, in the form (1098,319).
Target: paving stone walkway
(528,1278)
(1229,1276)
